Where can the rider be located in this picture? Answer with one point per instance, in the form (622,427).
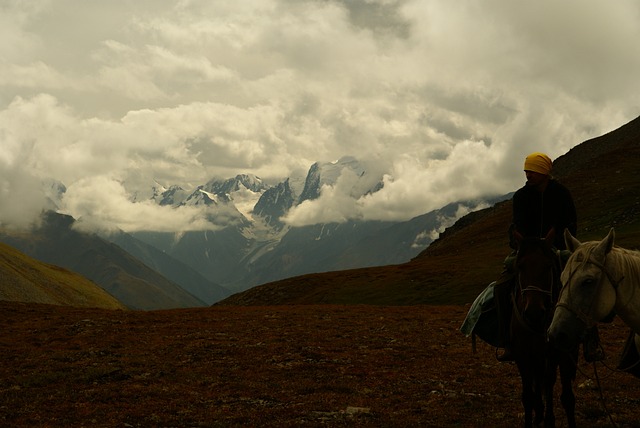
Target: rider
(540,206)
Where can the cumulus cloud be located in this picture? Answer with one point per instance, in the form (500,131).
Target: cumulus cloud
(23,199)
(447,97)
(337,203)
(410,188)
(102,203)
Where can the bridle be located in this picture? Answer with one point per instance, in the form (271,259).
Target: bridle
(579,313)
(535,289)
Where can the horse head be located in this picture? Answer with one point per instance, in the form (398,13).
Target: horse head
(537,268)
(588,294)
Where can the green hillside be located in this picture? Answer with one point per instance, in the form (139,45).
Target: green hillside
(117,272)
(23,279)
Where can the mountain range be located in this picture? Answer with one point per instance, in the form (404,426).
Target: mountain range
(258,247)
(159,270)
(601,173)
(262,260)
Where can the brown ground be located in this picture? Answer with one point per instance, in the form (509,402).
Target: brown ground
(273,366)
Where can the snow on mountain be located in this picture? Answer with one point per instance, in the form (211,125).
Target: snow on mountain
(172,196)
(242,192)
(253,245)
(201,197)
(274,204)
(265,205)
(245,191)
(347,172)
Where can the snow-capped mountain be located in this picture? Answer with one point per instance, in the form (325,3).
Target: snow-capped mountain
(258,202)
(274,203)
(243,190)
(262,248)
(255,245)
(278,200)
(173,196)
(328,173)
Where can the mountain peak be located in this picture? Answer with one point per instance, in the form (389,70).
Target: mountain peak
(328,173)
(169,196)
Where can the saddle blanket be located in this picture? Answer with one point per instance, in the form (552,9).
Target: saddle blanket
(482,319)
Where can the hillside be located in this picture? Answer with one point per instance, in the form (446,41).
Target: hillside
(602,174)
(23,279)
(172,269)
(120,274)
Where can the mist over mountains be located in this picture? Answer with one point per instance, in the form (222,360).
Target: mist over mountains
(602,175)
(255,240)
(261,243)
(364,261)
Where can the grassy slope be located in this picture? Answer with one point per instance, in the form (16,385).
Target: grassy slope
(117,272)
(24,279)
(603,176)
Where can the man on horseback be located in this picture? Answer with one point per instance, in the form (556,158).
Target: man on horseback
(541,206)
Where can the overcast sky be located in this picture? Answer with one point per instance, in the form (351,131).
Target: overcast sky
(445,98)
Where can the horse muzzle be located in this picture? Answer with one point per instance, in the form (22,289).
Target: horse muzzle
(565,332)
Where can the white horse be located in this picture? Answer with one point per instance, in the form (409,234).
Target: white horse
(598,281)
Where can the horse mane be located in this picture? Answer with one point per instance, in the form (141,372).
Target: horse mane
(624,261)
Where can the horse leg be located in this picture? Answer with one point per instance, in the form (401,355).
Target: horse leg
(538,404)
(549,383)
(527,393)
(567,376)
(527,403)
(536,371)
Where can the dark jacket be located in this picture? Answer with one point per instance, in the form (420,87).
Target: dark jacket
(535,213)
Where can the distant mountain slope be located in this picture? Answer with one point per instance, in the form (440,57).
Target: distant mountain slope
(351,245)
(602,174)
(172,269)
(23,279)
(116,271)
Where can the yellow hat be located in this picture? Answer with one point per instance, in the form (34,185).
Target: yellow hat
(538,162)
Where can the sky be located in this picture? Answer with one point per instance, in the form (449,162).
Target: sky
(442,99)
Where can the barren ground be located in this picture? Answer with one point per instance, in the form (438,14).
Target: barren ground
(274,366)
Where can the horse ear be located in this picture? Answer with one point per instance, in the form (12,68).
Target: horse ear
(551,236)
(572,243)
(607,243)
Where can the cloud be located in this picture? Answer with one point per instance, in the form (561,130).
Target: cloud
(102,203)
(337,203)
(446,97)
(23,199)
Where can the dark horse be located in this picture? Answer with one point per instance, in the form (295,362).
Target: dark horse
(536,290)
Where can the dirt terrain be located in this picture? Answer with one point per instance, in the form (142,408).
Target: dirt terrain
(281,366)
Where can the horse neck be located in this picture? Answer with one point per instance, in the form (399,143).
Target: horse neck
(624,265)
